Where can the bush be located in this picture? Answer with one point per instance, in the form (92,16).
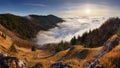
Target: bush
(62,46)
(12,48)
(33,48)
(58,49)
(38,65)
(118,32)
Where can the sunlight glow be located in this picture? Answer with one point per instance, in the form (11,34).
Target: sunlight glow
(87,11)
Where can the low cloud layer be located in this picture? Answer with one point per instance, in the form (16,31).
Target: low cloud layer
(71,27)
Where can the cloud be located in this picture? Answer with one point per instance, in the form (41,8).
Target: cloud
(35,5)
(71,27)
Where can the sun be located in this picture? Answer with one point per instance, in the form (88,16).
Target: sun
(87,10)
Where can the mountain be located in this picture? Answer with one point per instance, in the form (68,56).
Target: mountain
(45,22)
(24,29)
(97,49)
(27,27)
(105,53)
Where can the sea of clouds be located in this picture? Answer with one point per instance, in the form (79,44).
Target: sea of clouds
(71,27)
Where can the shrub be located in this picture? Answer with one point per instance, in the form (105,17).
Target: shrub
(38,65)
(118,32)
(12,48)
(62,46)
(33,48)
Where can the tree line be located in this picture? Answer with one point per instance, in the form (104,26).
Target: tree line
(98,36)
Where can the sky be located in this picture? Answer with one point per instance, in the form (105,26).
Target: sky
(62,8)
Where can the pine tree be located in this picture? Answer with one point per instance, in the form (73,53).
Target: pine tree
(78,40)
(73,41)
(61,43)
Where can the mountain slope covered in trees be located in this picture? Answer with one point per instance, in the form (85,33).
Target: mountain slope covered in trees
(27,27)
(98,36)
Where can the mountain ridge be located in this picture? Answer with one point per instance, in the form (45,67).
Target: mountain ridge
(26,28)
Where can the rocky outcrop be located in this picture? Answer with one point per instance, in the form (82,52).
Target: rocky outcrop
(59,65)
(11,62)
(108,46)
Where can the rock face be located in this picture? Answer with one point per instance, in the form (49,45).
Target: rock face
(59,65)
(11,62)
(109,45)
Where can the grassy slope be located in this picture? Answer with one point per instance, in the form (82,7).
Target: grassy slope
(22,53)
(76,56)
(6,43)
(112,58)
(15,39)
(71,57)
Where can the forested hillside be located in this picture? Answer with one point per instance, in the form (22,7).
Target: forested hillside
(27,27)
(98,36)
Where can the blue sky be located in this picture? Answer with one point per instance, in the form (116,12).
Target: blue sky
(61,7)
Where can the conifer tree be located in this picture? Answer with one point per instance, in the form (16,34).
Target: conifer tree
(73,41)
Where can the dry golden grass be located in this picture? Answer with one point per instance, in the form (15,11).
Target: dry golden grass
(73,57)
(45,57)
(112,58)
(17,40)
(39,55)
(74,62)
(76,59)
(108,60)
